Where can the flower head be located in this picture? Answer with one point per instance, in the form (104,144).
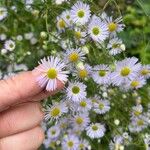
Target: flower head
(10,45)
(3,13)
(52,70)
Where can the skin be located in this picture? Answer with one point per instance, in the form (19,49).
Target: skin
(21,112)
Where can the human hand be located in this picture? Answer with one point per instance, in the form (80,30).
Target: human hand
(21,112)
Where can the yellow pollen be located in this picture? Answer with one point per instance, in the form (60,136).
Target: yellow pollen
(112,27)
(68,17)
(135,83)
(83,73)
(53,132)
(70,144)
(52,73)
(79,120)
(145,72)
(83,104)
(102,73)
(96,30)
(73,57)
(125,71)
(81,146)
(101,106)
(78,34)
(137,113)
(62,23)
(75,89)
(81,13)
(94,127)
(55,112)
(140,122)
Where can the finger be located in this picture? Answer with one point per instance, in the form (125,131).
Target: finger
(20,118)
(28,140)
(18,88)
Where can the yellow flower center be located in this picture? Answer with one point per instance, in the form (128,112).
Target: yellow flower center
(83,73)
(1,12)
(55,112)
(62,23)
(83,104)
(73,57)
(125,71)
(53,132)
(70,144)
(137,113)
(79,120)
(52,73)
(94,101)
(78,34)
(81,13)
(112,27)
(101,106)
(145,72)
(94,127)
(68,17)
(102,73)
(75,89)
(140,122)
(115,45)
(135,83)
(81,146)
(11,45)
(96,30)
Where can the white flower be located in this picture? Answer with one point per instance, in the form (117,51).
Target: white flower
(125,71)
(138,123)
(101,74)
(10,45)
(80,121)
(67,18)
(95,130)
(59,1)
(3,13)
(114,25)
(61,23)
(33,40)
(114,46)
(145,71)
(102,106)
(55,111)
(28,36)
(70,142)
(74,55)
(4,51)
(80,13)
(84,145)
(53,132)
(136,83)
(84,105)
(97,29)
(52,70)
(76,91)
(19,37)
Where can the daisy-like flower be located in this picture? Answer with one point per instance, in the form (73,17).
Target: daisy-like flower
(80,13)
(138,124)
(94,100)
(97,29)
(9,45)
(126,70)
(3,13)
(84,144)
(102,107)
(76,91)
(52,70)
(84,105)
(136,83)
(55,111)
(53,132)
(67,17)
(95,130)
(71,142)
(80,121)
(115,46)
(145,71)
(63,123)
(80,36)
(61,23)
(74,55)
(114,25)
(101,74)
(83,72)
(137,110)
